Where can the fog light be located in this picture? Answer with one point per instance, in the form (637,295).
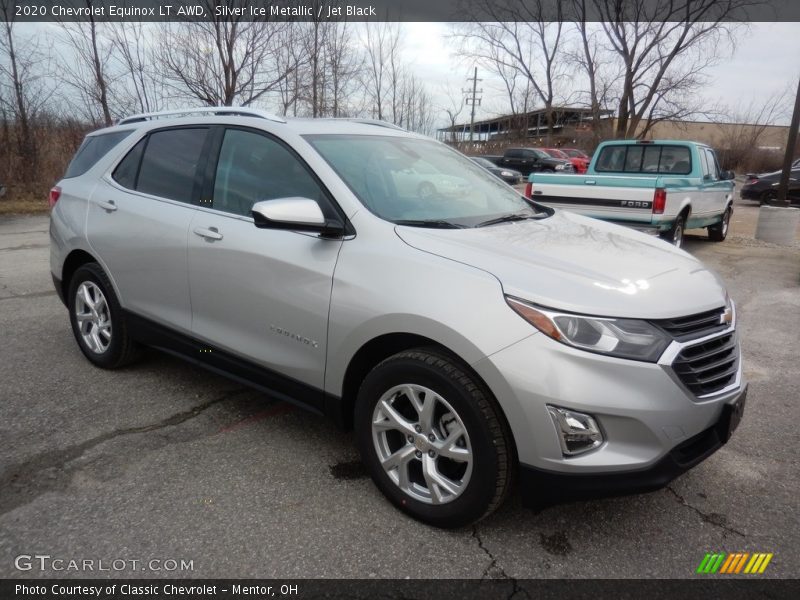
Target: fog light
(577,432)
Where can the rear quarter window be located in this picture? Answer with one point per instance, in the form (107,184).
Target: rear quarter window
(92,149)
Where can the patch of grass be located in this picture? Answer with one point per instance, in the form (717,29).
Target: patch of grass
(19,204)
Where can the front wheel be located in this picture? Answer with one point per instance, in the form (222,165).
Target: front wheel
(97,321)
(719,231)
(675,235)
(433,438)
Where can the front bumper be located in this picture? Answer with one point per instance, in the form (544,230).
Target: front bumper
(643,409)
(542,488)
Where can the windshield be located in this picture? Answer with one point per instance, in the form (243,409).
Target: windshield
(420,182)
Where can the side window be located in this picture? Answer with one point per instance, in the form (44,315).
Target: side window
(514,154)
(127,170)
(92,150)
(713,167)
(253,167)
(169,163)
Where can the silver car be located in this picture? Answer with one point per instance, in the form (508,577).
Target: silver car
(472,340)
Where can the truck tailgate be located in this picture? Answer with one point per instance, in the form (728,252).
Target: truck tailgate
(614,198)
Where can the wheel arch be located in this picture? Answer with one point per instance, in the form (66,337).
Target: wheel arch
(378,349)
(74,261)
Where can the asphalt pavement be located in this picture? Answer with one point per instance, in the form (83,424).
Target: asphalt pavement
(164,462)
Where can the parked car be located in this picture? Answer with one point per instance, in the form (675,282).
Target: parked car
(764,187)
(469,341)
(578,164)
(510,176)
(427,182)
(530,160)
(661,187)
(580,160)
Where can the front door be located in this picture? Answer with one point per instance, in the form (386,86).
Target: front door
(261,294)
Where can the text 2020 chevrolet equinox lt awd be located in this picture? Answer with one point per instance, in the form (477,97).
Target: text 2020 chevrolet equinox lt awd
(471,338)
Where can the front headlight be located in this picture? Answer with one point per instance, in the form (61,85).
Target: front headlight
(506,173)
(561,167)
(623,338)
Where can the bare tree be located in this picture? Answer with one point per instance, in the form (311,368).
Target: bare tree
(85,69)
(518,37)
(222,60)
(24,87)
(382,46)
(666,46)
(453,109)
(138,88)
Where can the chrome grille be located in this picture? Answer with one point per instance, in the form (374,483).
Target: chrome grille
(710,366)
(693,326)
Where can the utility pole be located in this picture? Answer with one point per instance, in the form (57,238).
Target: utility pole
(791,142)
(473,101)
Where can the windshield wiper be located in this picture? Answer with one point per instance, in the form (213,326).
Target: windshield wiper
(512,217)
(432,223)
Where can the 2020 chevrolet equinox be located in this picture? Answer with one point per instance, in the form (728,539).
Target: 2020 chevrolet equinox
(470,339)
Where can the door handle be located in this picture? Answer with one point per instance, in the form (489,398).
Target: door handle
(108,205)
(212,233)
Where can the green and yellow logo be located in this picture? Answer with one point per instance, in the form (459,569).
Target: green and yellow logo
(734,563)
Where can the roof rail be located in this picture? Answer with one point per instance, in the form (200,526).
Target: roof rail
(206,110)
(377,122)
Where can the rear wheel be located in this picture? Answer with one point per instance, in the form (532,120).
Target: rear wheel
(97,320)
(433,439)
(768,196)
(675,235)
(719,231)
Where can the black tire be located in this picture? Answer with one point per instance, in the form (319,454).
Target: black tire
(675,235)
(489,437)
(719,231)
(768,196)
(121,350)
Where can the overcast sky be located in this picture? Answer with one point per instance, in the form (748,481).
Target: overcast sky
(765,62)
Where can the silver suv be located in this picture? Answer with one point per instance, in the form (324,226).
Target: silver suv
(471,337)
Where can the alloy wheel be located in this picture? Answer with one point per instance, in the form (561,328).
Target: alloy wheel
(422,444)
(93,317)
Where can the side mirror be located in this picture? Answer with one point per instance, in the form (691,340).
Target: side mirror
(294,214)
(727,175)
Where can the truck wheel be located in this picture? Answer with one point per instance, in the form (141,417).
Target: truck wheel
(97,320)
(433,439)
(719,231)
(675,235)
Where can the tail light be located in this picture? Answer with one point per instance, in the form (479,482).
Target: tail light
(659,201)
(529,190)
(752,180)
(55,194)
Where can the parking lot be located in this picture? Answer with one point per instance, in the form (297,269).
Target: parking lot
(161,461)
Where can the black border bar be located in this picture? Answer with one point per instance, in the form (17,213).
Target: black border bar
(394,10)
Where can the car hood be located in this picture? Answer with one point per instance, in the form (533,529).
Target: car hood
(578,264)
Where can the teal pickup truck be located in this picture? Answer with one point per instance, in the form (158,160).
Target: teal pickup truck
(661,186)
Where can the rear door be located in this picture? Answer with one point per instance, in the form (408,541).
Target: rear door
(261,294)
(139,218)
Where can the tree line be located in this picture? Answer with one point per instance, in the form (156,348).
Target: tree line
(643,62)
